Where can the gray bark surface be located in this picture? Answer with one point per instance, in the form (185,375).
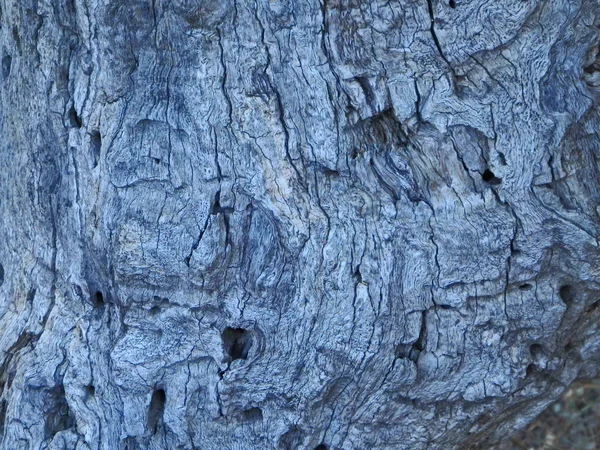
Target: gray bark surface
(283,224)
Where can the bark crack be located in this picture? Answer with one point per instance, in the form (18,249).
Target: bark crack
(435,38)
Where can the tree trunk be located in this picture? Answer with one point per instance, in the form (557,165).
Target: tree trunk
(287,224)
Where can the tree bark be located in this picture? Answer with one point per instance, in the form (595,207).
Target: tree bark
(288,224)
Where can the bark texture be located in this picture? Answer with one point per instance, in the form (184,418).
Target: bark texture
(282,224)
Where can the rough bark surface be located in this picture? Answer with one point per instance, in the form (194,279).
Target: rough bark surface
(282,224)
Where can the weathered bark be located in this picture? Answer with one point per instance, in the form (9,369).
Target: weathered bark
(290,224)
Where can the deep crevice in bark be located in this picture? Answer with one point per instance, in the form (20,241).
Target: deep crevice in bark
(156,410)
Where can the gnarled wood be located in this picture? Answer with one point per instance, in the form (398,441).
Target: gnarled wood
(295,225)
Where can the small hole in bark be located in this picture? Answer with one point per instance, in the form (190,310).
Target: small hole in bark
(98,300)
(216,204)
(1,274)
(236,343)
(292,439)
(90,390)
(156,409)
(96,145)
(569,346)
(330,172)
(566,293)
(154,310)
(321,447)
(536,350)
(74,119)
(217,208)
(525,287)
(253,415)
(6,65)
(530,370)
(412,351)
(358,275)
(538,356)
(502,158)
(452,4)
(489,177)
